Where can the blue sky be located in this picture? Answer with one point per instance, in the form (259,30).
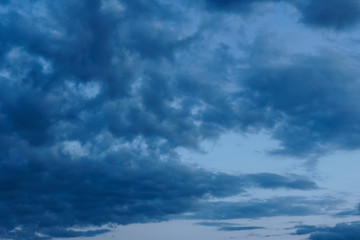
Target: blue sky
(166,119)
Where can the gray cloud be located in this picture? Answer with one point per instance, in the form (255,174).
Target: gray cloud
(48,193)
(278,206)
(310,99)
(225,226)
(333,14)
(340,231)
(268,180)
(97,96)
(231,229)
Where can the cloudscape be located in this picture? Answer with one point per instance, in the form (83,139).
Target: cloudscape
(168,119)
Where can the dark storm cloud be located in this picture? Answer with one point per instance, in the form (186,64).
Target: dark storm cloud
(341,231)
(52,67)
(97,96)
(312,101)
(41,194)
(47,194)
(329,14)
(243,6)
(334,14)
(51,60)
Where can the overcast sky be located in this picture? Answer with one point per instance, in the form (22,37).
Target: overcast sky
(179,119)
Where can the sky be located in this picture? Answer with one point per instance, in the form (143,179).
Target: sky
(169,119)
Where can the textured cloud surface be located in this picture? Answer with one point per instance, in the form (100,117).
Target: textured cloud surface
(339,232)
(333,14)
(97,97)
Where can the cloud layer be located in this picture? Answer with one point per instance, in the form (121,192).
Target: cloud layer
(96,98)
(333,14)
(340,231)
(48,195)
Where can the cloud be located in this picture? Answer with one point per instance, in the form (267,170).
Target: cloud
(225,226)
(41,194)
(269,180)
(340,231)
(231,229)
(255,208)
(215,224)
(334,14)
(308,101)
(49,193)
(28,233)
(352,212)
(50,70)
(97,96)
(243,6)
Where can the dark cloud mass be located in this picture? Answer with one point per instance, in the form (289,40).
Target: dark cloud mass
(96,97)
(44,192)
(122,189)
(335,14)
(311,99)
(328,14)
(243,6)
(341,231)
